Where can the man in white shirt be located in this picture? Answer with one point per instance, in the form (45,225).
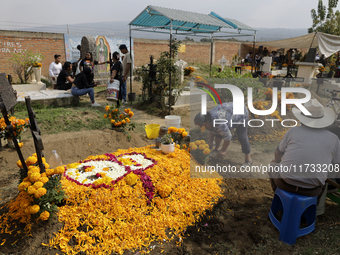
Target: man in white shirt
(307,154)
(127,65)
(54,70)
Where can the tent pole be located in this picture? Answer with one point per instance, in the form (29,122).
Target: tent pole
(131,60)
(253,62)
(211,52)
(312,41)
(170,67)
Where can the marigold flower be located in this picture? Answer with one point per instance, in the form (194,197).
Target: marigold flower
(194,147)
(127,120)
(131,179)
(49,172)
(38,184)
(43,179)
(24,204)
(34,209)
(31,160)
(20,144)
(206,151)
(59,170)
(107,108)
(19,164)
(164,190)
(198,142)
(127,110)
(31,190)
(40,192)
(47,166)
(184,134)
(131,114)
(105,116)
(34,177)
(113,121)
(201,147)
(44,215)
(24,185)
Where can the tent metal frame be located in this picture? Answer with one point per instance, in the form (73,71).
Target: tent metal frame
(198,32)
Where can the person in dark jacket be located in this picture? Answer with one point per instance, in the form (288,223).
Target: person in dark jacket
(83,85)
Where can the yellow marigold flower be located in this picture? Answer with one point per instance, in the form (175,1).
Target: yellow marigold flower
(59,170)
(26,179)
(43,160)
(31,160)
(180,130)
(107,108)
(194,147)
(178,146)
(34,177)
(131,179)
(201,147)
(206,146)
(34,209)
(198,142)
(127,120)
(44,215)
(49,172)
(24,185)
(19,164)
(40,192)
(47,166)
(123,122)
(38,184)
(127,110)
(20,144)
(131,114)
(122,116)
(105,116)
(43,179)
(164,190)
(31,190)
(184,134)
(184,146)
(43,175)
(206,151)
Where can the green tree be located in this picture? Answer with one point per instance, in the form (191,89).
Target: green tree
(188,39)
(325,20)
(205,40)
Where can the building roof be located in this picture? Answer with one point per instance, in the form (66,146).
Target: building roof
(185,21)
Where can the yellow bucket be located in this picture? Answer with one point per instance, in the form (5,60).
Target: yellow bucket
(152,130)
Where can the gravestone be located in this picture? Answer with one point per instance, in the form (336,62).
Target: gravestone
(88,43)
(222,62)
(267,63)
(311,55)
(7,94)
(181,65)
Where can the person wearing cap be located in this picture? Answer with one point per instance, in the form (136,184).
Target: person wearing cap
(305,150)
(54,70)
(222,132)
(127,64)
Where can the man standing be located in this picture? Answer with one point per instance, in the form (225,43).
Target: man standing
(54,70)
(127,65)
(221,132)
(309,151)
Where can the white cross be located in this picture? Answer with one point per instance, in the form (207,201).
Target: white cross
(222,62)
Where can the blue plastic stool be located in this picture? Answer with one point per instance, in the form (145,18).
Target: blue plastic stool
(294,207)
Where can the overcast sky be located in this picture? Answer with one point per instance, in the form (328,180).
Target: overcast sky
(255,13)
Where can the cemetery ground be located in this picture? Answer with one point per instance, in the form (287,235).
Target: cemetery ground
(238,223)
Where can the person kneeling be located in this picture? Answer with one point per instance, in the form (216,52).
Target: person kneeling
(82,85)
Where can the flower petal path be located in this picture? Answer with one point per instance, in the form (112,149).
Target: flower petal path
(103,221)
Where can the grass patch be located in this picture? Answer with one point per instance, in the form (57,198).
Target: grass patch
(57,119)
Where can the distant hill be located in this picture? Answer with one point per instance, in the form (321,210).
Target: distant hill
(121,29)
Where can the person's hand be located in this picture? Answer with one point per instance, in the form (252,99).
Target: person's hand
(124,79)
(96,83)
(111,80)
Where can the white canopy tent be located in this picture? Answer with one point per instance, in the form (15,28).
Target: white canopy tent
(328,44)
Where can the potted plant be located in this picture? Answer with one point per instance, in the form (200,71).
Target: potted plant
(167,145)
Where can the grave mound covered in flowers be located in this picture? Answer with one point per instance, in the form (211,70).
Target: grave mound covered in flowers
(114,202)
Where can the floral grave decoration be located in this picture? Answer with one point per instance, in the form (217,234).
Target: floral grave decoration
(200,151)
(104,220)
(38,198)
(189,70)
(107,170)
(180,136)
(19,125)
(36,64)
(120,118)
